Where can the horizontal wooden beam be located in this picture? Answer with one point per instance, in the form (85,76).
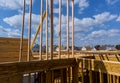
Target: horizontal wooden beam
(100,52)
(108,57)
(8,69)
(5,38)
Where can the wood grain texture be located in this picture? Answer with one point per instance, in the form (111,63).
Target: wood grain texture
(8,69)
(109,67)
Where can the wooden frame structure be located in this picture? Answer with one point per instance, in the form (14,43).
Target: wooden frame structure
(18,61)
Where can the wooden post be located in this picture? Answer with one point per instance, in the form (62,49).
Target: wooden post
(41,31)
(82,71)
(48,77)
(72,28)
(117,79)
(75,73)
(43,80)
(59,33)
(51,29)
(64,75)
(90,72)
(47,29)
(68,74)
(68,28)
(114,79)
(38,30)
(23,22)
(107,57)
(29,32)
(29,39)
(108,78)
(101,77)
(52,76)
(90,76)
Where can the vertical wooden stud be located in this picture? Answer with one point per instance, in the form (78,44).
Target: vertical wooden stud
(72,28)
(47,29)
(59,33)
(41,31)
(51,29)
(29,32)
(68,28)
(23,22)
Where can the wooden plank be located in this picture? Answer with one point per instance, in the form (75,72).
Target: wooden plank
(101,77)
(111,58)
(2,39)
(11,53)
(51,29)
(12,79)
(12,50)
(12,47)
(100,52)
(64,75)
(8,69)
(75,73)
(90,77)
(108,78)
(48,77)
(109,67)
(38,29)
(118,79)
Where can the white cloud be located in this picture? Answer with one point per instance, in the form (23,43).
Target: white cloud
(106,16)
(16,20)
(101,37)
(118,19)
(13,4)
(82,4)
(8,32)
(56,10)
(104,33)
(111,2)
(84,25)
(81,25)
(57,2)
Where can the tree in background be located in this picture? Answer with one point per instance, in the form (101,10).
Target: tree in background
(97,47)
(117,47)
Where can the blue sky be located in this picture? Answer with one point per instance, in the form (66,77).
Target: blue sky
(96,21)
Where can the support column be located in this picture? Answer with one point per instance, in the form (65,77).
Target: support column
(41,31)
(72,28)
(23,22)
(75,73)
(59,33)
(47,29)
(29,32)
(51,29)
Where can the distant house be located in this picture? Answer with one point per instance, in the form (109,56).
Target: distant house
(102,47)
(62,48)
(54,48)
(77,48)
(36,48)
(85,48)
(93,49)
(110,48)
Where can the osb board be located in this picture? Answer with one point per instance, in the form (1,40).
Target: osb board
(12,79)
(110,67)
(9,49)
